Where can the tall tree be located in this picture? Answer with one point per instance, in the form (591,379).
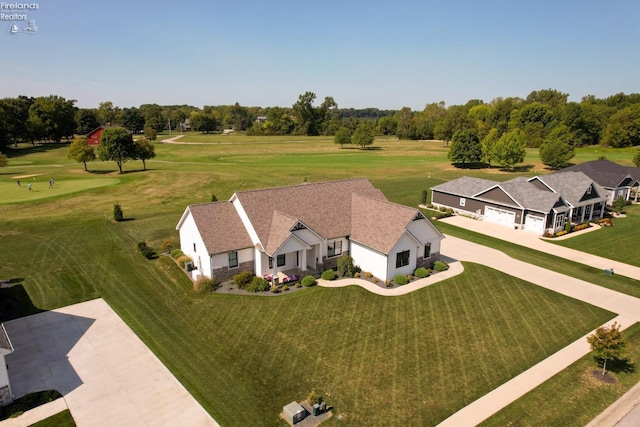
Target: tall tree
(133,120)
(52,117)
(488,145)
(456,119)
(86,121)
(623,129)
(556,151)
(363,135)
(305,115)
(465,147)
(608,343)
(203,122)
(510,149)
(406,127)
(4,160)
(107,113)
(81,152)
(116,144)
(387,125)
(550,97)
(144,151)
(153,117)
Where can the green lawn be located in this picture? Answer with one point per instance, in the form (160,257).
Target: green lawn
(617,242)
(381,361)
(578,404)
(61,419)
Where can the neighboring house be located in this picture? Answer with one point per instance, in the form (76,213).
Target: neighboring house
(185,125)
(5,348)
(261,119)
(617,180)
(307,227)
(541,204)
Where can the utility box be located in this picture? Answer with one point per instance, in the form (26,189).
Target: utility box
(323,407)
(294,413)
(316,409)
(188,266)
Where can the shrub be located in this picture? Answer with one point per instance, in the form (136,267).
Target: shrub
(176,253)
(147,251)
(308,281)
(314,398)
(182,259)
(567,226)
(345,266)
(118,215)
(356,275)
(423,197)
(274,289)
(327,275)
(410,277)
(243,279)
(561,233)
(285,288)
(388,283)
(255,284)
(167,245)
(421,272)
(375,280)
(440,266)
(367,275)
(205,284)
(298,285)
(400,279)
(619,205)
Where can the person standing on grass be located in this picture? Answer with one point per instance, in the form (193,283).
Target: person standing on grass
(18,181)
(51,183)
(29,187)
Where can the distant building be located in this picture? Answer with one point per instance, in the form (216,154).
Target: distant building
(261,119)
(93,137)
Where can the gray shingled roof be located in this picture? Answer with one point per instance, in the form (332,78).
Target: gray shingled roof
(571,185)
(220,227)
(529,196)
(605,172)
(325,207)
(465,186)
(378,224)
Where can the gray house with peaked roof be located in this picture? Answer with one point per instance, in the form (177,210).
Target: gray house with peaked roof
(542,204)
(617,180)
(307,227)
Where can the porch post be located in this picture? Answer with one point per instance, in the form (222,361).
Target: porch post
(591,212)
(304,260)
(582,216)
(275,268)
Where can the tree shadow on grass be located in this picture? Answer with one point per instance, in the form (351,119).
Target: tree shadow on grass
(23,149)
(522,168)
(471,165)
(621,365)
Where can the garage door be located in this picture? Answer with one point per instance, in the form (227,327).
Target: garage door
(499,216)
(534,223)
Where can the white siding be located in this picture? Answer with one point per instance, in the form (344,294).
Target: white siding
(307,236)
(405,243)
(189,235)
(425,232)
(369,260)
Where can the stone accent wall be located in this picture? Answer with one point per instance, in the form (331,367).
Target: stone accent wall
(428,262)
(5,396)
(225,274)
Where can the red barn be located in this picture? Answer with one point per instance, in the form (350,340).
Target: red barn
(93,137)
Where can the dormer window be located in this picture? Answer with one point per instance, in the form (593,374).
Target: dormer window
(589,190)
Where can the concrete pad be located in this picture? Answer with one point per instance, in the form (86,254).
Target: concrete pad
(105,373)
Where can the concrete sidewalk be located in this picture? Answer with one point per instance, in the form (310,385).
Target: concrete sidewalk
(533,241)
(627,308)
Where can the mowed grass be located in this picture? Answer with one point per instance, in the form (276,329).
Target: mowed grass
(245,357)
(10,192)
(576,405)
(625,235)
(380,361)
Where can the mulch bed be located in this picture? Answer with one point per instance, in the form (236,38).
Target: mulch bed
(606,378)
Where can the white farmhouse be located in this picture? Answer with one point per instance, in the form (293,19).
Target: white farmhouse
(307,227)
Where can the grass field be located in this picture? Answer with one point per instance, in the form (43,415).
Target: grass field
(576,405)
(380,361)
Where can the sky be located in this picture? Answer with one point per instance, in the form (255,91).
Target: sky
(384,54)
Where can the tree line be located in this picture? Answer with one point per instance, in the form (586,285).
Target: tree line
(544,114)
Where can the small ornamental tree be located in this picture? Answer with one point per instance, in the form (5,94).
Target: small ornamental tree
(608,343)
(510,149)
(81,152)
(619,205)
(556,151)
(345,266)
(423,197)
(118,215)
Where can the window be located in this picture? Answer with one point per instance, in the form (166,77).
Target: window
(427,250)
(282,260)
(589,190)
(194,248)
(560,221)
(270,262)
(463,201)
(334,248)
(233,259)
(402,259)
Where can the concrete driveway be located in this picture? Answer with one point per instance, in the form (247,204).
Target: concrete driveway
(108,377)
